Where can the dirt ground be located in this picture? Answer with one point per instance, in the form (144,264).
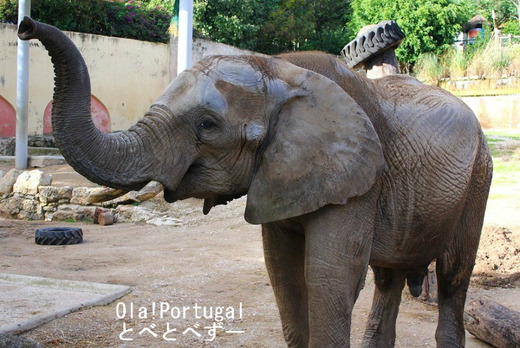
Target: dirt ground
(210,266)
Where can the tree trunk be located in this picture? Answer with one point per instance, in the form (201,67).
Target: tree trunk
(493,323)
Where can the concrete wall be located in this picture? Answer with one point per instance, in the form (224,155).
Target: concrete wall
(202,49)
(496,111)
(127,76)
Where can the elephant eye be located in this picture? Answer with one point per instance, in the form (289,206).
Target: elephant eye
(206,124)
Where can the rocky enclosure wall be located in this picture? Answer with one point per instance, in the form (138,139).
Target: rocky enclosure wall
(29,195)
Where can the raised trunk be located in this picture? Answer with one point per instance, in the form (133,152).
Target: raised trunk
(122,159)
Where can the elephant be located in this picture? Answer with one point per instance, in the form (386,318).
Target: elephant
(340,171)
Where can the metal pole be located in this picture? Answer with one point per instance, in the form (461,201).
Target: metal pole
(22,92)
(185,35)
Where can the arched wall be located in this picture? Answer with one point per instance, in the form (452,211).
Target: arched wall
(100,116)
(7,119)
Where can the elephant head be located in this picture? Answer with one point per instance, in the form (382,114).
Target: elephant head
(289,138)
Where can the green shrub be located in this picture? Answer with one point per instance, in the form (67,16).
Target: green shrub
(455,63)
(134,19)
(511,27)
(429,68)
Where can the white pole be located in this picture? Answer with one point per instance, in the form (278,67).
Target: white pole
(185,35)
(22,91)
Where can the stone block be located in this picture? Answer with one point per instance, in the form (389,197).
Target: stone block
(73,212)
(90,195)
(19,207)
(125,213)
(51,194)
(7,182)
(44,161)
(28,182)
(7,146)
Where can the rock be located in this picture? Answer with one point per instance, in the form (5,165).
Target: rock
(1,174)
(19,207)
(7,146)
(152,189)
(51,194)
(41,141)
(165,221)
(28,182)
(124,213)
(128,198)
(73,212)
(90,195)
(7,182)
(44,161)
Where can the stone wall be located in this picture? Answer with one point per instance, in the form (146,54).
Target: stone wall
(29,195)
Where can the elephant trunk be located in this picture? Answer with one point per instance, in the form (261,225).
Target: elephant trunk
(120,160)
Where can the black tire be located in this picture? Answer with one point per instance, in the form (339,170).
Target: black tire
(58,236)
(372,43)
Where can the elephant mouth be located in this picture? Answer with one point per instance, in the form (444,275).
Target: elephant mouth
(185,189)
(170,196)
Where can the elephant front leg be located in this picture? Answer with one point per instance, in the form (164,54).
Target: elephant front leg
(338,242)
(284,258)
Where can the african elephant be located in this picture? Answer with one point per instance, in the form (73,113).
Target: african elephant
(342,172)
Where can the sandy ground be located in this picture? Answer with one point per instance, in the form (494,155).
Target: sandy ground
(212,268)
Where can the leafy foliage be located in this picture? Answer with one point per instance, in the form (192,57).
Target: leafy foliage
(511,27)
(142,20)
(505,10)
(429,26)
(274,26)
(234,22)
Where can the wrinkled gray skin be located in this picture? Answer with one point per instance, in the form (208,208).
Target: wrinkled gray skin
(341,172)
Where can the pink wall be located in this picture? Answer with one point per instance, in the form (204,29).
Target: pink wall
(7,119)
(99,112)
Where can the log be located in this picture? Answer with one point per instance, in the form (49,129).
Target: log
(493,323)
(105,219)
(99,211)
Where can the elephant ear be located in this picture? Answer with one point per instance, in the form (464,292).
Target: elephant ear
(322,149)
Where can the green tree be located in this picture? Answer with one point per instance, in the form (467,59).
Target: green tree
(274,26)
(234,22)
(505,10)
(132,19)
(429,26)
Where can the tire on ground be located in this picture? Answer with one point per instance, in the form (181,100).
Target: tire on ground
(58,236)
(372,42)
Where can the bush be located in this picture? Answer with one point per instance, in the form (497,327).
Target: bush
(429,68)
(511,27)
(480,61)
(134,19)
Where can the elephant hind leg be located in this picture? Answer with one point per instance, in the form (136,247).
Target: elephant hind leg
(454,267)
(380,330)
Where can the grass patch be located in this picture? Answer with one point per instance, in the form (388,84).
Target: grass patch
(505,150)
(506,133)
